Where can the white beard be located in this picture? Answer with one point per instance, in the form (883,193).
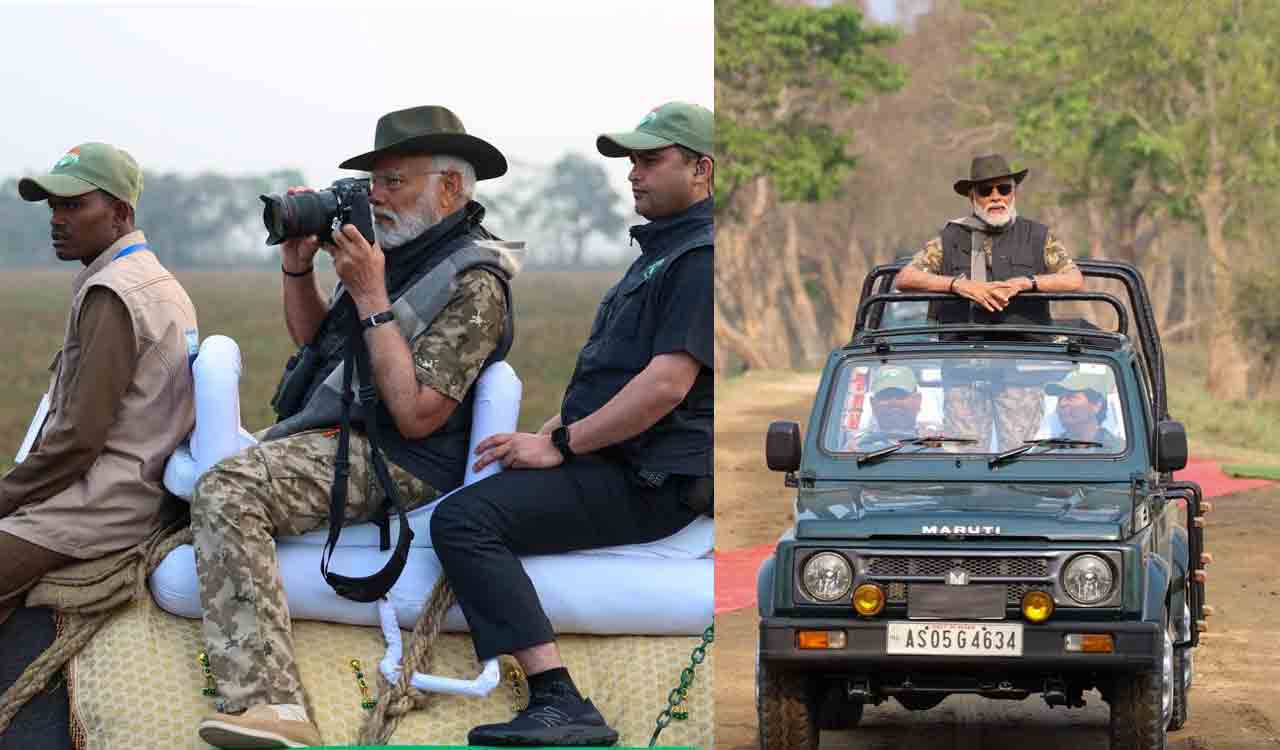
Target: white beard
(996,221)
(406,228)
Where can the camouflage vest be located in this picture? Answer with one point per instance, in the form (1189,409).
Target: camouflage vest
(440,458)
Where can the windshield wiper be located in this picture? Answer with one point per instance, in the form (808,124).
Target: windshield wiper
(875,455)
(1013,453)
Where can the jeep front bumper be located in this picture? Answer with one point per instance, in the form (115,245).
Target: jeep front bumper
(1137,647)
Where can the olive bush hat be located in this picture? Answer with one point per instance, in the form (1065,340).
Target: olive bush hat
(85,168)
(430,130)
(986,169)
(673,123)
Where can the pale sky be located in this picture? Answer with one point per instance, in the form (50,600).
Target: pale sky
(246,89)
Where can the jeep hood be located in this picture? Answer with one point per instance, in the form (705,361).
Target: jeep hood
(997,511)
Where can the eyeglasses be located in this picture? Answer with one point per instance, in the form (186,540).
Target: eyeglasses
(983,191)
(393,181)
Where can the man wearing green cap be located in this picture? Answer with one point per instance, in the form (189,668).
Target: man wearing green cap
(1082,408)
(628,458)
(425,307)
(895,404)
(988,258)
(121,393)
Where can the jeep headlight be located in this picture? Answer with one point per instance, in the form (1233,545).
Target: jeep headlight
(826,576)
(1088,579)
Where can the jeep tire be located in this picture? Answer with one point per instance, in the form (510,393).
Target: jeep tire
(1138,718)
(1181,662)
(786,710)
(1136,723)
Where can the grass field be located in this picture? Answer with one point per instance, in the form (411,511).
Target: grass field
(553,315)
(1237,431)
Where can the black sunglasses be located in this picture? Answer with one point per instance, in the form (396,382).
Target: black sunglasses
(984,190)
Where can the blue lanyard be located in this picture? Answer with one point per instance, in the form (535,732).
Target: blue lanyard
(131,249)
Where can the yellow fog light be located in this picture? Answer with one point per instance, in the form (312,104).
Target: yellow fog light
(1037,606)
(815,639)
(868,599)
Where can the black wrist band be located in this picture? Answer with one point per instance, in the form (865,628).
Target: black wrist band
(299,275)
(560,439)
(951,288)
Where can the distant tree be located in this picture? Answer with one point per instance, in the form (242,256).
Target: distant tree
(782,73)
(209,219)
(205,220)
(778,70)
(574,202)
(1189,88)
(24,229)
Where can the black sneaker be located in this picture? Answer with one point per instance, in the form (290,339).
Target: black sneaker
(554,719)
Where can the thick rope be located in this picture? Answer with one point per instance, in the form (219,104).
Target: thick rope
(36,676)
(394,701)
(79,630)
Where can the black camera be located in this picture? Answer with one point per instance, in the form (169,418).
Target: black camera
(320,212)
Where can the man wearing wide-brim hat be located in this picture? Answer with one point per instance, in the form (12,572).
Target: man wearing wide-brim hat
(992,255)
(424,308)
(988,258)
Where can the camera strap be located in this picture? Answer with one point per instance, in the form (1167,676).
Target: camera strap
(373,587)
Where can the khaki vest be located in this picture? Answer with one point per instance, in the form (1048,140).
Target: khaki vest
(118,502)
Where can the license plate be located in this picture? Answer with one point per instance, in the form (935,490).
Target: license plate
(955,638)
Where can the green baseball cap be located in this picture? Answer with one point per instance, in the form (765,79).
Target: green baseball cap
(893,376)
(1078,381)
(683,123)
(85,168)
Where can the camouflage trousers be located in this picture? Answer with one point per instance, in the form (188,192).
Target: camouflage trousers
(276,488)
(969,411)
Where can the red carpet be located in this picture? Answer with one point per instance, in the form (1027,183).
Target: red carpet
(736,568)
(1213,481)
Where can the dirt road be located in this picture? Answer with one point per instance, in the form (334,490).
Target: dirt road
(1235,703)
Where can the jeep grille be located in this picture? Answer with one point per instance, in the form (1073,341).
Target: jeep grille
(977,567)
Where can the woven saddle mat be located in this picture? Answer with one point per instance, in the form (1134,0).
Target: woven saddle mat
(138,684)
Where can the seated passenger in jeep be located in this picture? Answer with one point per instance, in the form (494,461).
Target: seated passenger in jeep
(895,405)
(1082,408)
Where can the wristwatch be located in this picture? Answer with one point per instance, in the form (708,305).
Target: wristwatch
(377,319)
(560,439)
(1034,286)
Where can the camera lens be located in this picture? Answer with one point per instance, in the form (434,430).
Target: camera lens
(298,215)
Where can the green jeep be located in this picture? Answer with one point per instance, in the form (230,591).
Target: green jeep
(985,509)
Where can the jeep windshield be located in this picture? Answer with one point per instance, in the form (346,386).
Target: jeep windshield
(889,408)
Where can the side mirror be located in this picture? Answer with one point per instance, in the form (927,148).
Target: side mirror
(1171,446)
(782,446)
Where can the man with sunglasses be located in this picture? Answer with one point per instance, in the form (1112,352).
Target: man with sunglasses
(433,259)
(628,458)
(989,258)
(992,255)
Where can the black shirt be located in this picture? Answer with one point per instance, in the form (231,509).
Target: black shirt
(662,305)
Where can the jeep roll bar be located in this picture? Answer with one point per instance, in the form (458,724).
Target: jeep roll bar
(1122,317)
(877,289)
